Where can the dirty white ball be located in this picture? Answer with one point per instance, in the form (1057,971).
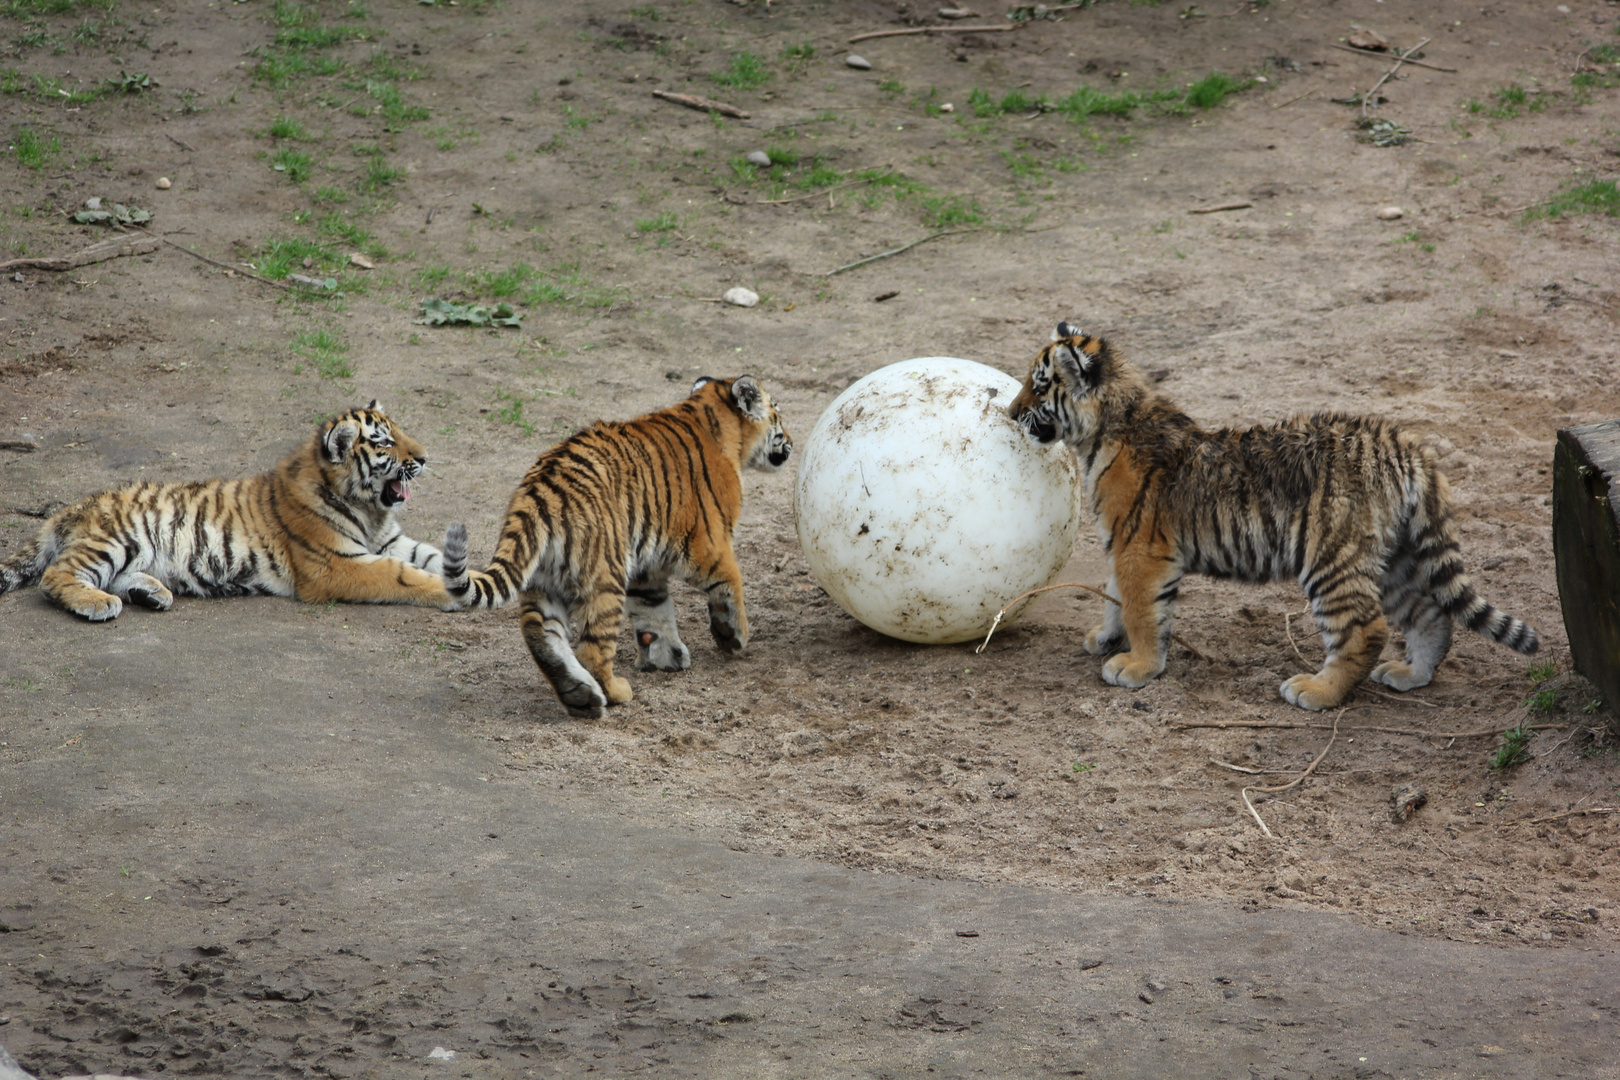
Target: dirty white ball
(923,508)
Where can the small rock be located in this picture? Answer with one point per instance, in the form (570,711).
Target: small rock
(93,203)
(17,277)
(1145,998)
(957,13)
(1088,962)
(357,259)
(1158,984)
(859,63)
(439,1053)
(1390,213)
(947,107)
(740,296)
(1363,38)
(1406,799)
(163,183)
(760,158)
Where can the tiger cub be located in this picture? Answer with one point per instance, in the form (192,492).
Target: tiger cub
(1351,506)
(604,519)
(319,526)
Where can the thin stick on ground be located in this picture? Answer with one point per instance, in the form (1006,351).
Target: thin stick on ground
(1385,56)
(1561,817)
(115,248)
(897,251)
(1290,101)
(1186,724)
(227,266)
(1401,59)
(935,30)
(1177,638)
(702,104)
(1221,208)
(1296,780)
(1288,628)
(835,187)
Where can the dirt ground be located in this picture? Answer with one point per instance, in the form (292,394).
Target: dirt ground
(488,151)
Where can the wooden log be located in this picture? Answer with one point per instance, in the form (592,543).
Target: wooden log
(1586,548)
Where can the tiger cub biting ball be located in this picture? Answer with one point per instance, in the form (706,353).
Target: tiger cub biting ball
(319,526)
(1351,506)
(604,519)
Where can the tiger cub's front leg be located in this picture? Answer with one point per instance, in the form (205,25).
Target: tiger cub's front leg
(1147,585)
(420,555)
(652,618)
(545,631)
(1110,636)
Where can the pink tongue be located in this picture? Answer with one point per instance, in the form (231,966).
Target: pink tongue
(400,489)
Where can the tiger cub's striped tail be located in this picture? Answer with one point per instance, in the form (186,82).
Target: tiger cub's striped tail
(1445,580)
(24,568)
(494,587)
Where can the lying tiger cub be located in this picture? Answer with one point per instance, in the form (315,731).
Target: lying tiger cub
(1351,506)
(319,526)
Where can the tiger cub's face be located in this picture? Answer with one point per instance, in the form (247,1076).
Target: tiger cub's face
(374,461)
(766,442)
(1059,398)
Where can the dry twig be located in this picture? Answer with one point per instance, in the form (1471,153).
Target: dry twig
(702,104)
(1401,59)
(1218,209)
(896,251)
(226,266)
(1177,638)
(1560,817)
(935,30)
(136,244)
(1185,724)
(1290,101)
(1385,56)
(1296,780)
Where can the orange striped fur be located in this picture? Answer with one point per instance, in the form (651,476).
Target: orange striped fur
(1352,507)
(319,526)
(603,521)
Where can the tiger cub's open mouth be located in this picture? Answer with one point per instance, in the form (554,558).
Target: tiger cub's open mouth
(395,492)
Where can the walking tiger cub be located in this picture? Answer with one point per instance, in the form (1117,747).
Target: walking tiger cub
(1351,506)
(319,526)
(604,519)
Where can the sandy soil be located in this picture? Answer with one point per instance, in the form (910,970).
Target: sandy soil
(539,143)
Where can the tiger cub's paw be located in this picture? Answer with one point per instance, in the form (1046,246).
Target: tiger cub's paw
(661,652)
(729,631)
(103,608)
(1310,692)
(149,592)
(583,698)
(1102,641)
(618,690)
(1127,669)
(1399,676)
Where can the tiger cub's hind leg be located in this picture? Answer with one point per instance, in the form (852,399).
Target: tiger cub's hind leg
(545,630)
(1110,636)
(599,625)
(728,618)
(1425,627)
(652,618)
(1354,633)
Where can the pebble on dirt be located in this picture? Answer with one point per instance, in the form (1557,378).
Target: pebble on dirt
(859,63)
(163,183)
(740,296)
(1391,213)
(759,157)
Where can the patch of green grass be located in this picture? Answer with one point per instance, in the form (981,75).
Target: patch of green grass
(892,87)
(1215,88)
(664,222)
(1602,56)
(951,211)
(338,227)
(279,70)
(568,284)
(36,37)
(285,127)
(1508,101)
(31,9)
(798,56)
(747,71)
(295,163)
(283,256)
(379,175)
(325,352)
(501,283)
(1540,671)
(1514,749)
(33,150)
(1591,197)
(1022,165)
(511,412)
(429,278)
(330,195)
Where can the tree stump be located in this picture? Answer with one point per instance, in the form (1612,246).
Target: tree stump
(1586,547)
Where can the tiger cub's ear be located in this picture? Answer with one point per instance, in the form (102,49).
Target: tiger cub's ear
(1075,366)
(339,440)
(375,406)
(1066,329)
(749,397)
(702,381)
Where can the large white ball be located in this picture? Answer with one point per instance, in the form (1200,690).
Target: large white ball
(923,508)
